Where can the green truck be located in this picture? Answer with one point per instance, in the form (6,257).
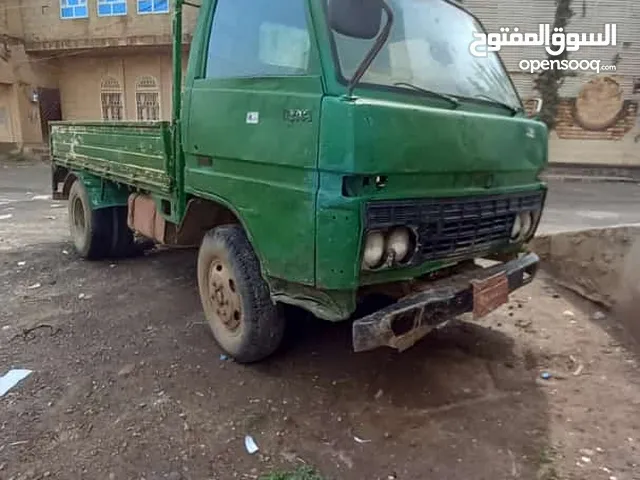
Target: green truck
(321,153)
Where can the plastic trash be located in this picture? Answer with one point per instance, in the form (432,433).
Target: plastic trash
(250,444)
(545,375)
(360,440)
(11,379)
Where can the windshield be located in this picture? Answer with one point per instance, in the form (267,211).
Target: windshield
(428,47)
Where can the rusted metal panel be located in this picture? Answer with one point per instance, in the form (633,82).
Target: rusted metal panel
(144,218)
(405,322)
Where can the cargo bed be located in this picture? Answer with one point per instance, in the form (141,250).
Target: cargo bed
(133,153)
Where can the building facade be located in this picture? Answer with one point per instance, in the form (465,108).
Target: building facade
(84,60)
(111,60)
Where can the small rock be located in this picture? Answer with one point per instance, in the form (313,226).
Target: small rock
(568,314)
(112,476)
(22,264)
(587,452)
(81,296)
(127,370)
(378,394)
(34,286)
(585,459)
(599,316)
(174,476)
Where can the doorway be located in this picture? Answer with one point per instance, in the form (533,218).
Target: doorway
(50,109)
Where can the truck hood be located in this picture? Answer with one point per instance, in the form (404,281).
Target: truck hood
(425,150)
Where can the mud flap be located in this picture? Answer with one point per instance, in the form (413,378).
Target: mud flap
(408,320)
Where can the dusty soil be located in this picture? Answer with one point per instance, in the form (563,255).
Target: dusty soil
(128,383)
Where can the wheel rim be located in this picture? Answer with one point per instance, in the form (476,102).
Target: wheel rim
(78,219)
(223,297)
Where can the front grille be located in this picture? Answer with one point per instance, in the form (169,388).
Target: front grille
(454,227)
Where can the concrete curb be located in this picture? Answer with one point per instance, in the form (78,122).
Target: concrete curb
(588,179)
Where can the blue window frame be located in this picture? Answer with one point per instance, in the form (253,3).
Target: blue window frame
(153,6)
(111,8)
(70,9)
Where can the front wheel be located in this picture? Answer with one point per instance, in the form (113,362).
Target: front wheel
(236,300)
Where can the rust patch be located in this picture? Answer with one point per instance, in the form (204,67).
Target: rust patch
(144,218)
(489,294)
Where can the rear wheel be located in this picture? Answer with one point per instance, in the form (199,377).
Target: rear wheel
(236,300)
(91,230)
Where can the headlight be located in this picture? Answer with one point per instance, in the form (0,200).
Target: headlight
(527,223)
(399,242)
(373,250)
(517,228)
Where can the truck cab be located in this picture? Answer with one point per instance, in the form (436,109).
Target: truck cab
(323,151)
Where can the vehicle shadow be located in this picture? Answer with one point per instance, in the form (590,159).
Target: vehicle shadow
(459,404)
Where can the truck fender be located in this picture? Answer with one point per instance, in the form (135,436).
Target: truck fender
(102,193)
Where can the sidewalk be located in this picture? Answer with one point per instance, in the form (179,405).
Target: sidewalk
(592,173)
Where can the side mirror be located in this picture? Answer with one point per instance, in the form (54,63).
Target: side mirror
(356,18)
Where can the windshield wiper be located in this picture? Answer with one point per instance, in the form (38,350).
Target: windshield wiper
(453,100)
(512,109)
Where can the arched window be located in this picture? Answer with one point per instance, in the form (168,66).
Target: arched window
(147,99)
(111,99)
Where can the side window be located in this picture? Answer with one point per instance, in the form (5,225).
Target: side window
(258,38)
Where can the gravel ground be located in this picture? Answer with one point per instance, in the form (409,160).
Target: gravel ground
(128,383)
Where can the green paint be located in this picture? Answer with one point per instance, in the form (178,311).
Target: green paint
(289,155)
(103,193)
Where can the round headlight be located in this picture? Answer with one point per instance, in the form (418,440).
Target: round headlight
(373,250)
(399,242)
(527,223)
(517,228)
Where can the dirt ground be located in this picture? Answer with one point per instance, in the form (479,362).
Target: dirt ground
(128,383)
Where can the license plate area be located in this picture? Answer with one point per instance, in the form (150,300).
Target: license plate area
(489,294)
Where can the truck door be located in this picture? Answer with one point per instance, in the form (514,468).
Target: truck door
(253,127)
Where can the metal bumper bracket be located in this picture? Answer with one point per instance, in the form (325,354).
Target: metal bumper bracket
(412,317)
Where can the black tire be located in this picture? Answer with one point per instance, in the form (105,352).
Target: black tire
(122,241)
(91,230)
(236,300)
